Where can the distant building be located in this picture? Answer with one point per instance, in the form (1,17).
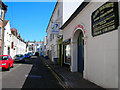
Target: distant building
(40,47)
(33,46)
(45,44)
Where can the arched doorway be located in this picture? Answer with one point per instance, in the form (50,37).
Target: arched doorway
(80,46)
(78,51)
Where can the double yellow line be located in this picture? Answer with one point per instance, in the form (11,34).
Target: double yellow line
(57,77)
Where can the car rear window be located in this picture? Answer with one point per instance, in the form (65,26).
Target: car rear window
(3,58)
(19,55)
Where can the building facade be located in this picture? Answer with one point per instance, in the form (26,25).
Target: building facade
(45,44)
(33,46)
(63,10)
(13,44)
(3,9)
(53,31)
(90,40)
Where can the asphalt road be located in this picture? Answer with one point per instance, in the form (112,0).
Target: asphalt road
(31,74)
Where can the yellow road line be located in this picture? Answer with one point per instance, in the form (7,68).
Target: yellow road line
(57,77)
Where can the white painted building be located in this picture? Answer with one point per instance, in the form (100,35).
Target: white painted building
(35,47)
(31,47)
(7,38)
(56,18)
(45,44)
(91,52)
(63,10)
(13,44)
(40,47)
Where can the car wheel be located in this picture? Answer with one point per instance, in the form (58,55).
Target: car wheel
(8,67)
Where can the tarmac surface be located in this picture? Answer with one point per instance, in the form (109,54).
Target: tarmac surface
(33,74)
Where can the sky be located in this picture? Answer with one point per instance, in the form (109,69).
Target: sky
(30,18)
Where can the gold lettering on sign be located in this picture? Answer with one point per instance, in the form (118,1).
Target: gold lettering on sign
(104,18)
(106,6)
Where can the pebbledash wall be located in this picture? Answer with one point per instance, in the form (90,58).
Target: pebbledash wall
(100,52)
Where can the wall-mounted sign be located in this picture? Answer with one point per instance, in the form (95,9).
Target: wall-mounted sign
(54,28)
(105,18)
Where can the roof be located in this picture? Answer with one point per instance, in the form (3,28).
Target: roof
(4,7)
(52,15)
(6,21)
(78,10)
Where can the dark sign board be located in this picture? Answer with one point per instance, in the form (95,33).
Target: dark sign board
(105,18)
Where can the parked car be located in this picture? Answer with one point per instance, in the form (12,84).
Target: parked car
(36,53)
(27,55)
(31,54)
(6,62)
(19,58)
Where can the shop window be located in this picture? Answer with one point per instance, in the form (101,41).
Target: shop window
(67,52)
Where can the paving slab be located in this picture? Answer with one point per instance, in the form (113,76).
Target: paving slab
(71,79)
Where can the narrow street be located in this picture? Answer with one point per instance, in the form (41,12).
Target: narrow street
(31,74)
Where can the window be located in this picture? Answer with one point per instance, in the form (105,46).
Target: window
(45,47)
(50,37)
(67,52)
(12,45)
(3,58)
(10,57)
(53,36)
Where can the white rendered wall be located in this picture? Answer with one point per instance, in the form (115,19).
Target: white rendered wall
(101,57)
(7,39)
(52,45)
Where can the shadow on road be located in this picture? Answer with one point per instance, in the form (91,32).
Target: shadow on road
(40,76)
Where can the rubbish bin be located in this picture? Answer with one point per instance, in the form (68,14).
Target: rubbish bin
(55,60)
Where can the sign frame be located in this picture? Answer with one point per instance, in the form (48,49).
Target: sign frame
(105,18)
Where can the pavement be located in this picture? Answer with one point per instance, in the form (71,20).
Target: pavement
(70,79)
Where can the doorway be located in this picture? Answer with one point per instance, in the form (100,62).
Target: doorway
(8,50)
(80,44)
